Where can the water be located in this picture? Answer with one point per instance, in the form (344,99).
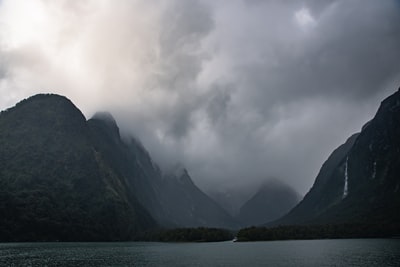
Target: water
(355,252)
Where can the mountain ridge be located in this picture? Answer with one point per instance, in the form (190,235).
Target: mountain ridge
(51,184)
(272,200)
(66,178)
(359,183)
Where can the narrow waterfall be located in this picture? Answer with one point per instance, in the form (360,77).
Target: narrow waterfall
(374,171)
(346,178)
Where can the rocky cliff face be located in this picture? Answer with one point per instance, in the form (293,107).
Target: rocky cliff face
(360,182)
(172,198)
(65,178)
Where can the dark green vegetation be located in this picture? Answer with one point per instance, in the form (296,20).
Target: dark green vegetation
(55,184)
(370,162)
(68,179)
(325,231)
(199,234)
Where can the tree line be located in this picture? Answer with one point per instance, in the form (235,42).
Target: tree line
(325,231)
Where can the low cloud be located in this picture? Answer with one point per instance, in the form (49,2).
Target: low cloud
(237,91)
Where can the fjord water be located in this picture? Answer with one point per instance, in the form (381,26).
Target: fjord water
(355,252)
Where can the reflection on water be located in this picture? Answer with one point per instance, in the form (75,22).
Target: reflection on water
(356,252)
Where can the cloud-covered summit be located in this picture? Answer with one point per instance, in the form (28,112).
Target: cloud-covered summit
(237,91)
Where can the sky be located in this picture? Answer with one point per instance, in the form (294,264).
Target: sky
(236,91)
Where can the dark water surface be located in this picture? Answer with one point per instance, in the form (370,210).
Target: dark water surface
(354,252)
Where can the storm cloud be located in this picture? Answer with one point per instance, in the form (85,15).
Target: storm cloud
(236,91)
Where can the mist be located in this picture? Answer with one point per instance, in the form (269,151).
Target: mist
(236,91)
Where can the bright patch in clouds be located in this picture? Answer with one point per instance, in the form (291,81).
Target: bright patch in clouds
(25,23)
(304,18)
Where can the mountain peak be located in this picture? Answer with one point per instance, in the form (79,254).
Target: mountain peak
(45,100)
(391,103)
(45,96)
(107,119)
(272,200)
(179,172)
(46,110)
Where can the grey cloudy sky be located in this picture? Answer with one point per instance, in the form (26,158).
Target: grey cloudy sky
(237,91)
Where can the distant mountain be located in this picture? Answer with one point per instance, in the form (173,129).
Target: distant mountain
(171,198)
(360,181)
(272,200)
(65,178)
(187,205)
(55,184)
(231,199)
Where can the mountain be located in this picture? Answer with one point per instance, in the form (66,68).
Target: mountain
(360,181)
(326,189)
(55,184)
(187,205)
(171,198)
(128,159)
(231,199)
(272,200)
(63,177)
